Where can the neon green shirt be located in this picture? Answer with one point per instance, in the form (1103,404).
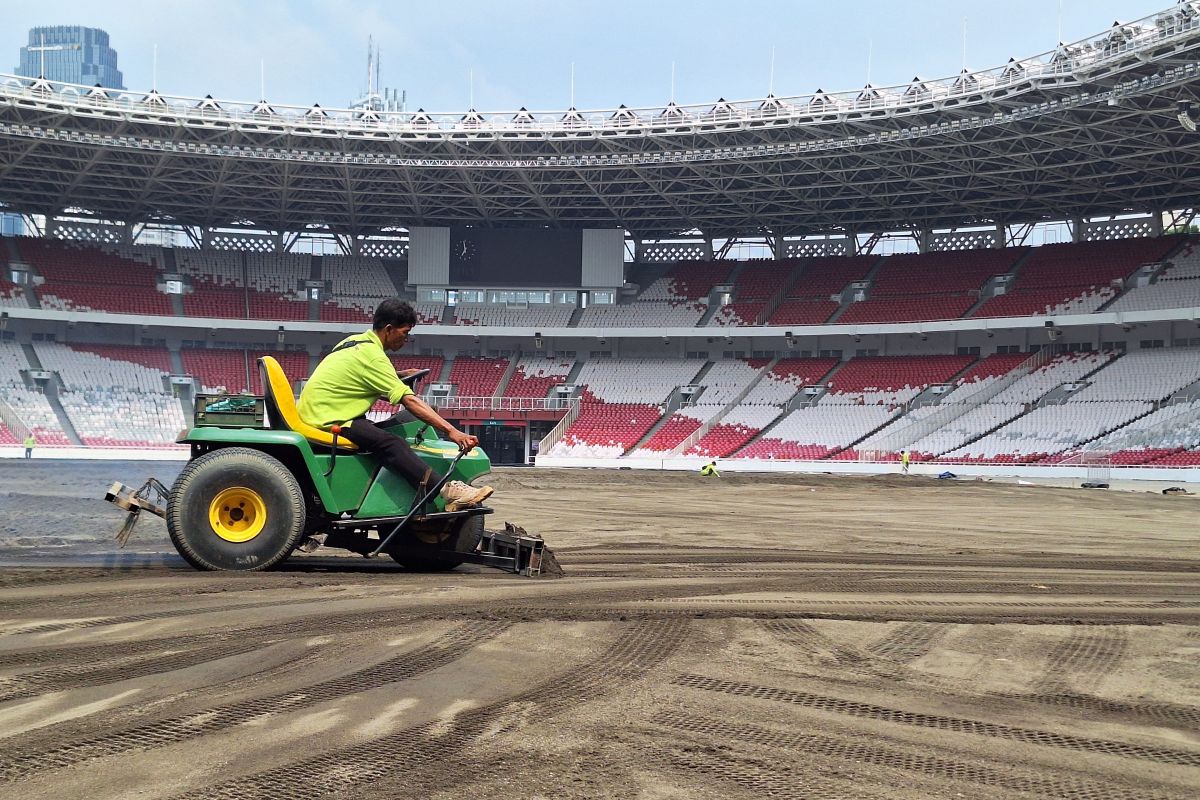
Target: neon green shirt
(30,442)
(348,381)
(708,470)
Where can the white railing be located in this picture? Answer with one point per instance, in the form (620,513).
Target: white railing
(12,420)
(1146,35)
(501,403)
(947,412)
(556,434)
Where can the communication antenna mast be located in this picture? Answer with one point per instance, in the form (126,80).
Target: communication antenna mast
(43,55)
(572,84)
(771,79)
(870,54)
(672,82)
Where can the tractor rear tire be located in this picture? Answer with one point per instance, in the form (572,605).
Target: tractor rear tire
(441,556)
(235,509)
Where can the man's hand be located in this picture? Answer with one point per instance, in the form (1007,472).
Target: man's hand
(463,440)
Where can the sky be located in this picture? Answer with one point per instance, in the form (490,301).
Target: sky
(505,54)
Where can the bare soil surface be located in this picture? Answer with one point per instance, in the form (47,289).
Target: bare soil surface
(747,637)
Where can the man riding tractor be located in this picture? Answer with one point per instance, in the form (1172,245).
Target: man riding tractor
(355,374)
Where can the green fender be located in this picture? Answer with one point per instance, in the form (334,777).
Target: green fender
(358,485)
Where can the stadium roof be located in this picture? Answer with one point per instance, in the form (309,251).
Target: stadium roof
(1088,129)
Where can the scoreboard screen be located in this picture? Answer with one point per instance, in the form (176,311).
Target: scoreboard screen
(542,257)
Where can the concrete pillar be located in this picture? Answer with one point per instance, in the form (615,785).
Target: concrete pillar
(779,248)
(708,248)
(1001,235)
(1156,223)
(1076,224)
(924,240)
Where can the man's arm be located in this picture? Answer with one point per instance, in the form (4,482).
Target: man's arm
(424,412)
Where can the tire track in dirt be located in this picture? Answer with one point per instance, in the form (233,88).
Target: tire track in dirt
(909,642)
(1185,717)
(95,622)
(803,635)
(860,750)
(119,669)
(415,762)
(16,764)
(763,778)
(871,711)
(1083,659)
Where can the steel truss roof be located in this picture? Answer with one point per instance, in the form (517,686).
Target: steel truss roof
(1088,129)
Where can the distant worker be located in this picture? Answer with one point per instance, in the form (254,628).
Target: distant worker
(30,443)
(904,459)
(355,374)
(709,470)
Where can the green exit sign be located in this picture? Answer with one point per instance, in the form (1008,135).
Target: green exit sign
(493,423)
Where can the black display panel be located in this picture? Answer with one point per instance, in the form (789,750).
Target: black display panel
(515,257)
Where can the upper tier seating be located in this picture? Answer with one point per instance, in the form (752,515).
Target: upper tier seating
(827,276)
(429,313)
(738,314)
(1177,286)
(762,280)
(535,316)
(1145,375)
(276,285)
(932,286)
(688,281)
(1074,278)
(477,377)
(11,294)
(357,284)
(535,376)
(1064,368)
(83,278)
(643,314)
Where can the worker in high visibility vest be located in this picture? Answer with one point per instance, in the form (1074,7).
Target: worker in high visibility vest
(709,470)
(30,443)
(904,459)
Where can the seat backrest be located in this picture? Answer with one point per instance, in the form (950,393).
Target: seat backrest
(281,406)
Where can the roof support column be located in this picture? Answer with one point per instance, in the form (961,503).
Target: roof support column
(924,240)
(1076,226)
(1156,226)
(1001,235)
(778,248)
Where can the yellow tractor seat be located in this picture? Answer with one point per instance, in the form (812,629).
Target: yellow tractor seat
(281,407)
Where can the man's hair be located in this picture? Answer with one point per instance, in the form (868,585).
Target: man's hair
(395,312)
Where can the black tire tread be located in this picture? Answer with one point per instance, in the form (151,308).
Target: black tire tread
(195,466)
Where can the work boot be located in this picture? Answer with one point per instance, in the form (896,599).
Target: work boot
(459,495)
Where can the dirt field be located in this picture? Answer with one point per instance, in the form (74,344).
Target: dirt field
(806,637)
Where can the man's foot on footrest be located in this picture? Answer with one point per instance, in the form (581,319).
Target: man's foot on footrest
(459,495)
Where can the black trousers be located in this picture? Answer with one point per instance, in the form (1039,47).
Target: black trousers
(390,449)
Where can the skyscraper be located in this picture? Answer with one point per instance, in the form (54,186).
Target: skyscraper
(71,54)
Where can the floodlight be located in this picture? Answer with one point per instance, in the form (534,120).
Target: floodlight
(1185,116)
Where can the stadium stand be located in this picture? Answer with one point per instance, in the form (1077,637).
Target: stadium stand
(216,369)
(274,281)
(815,432)
(477,377)
(891,380)
(1177,286)
(357,285)
(535,376)
(739,426)
(11,295)
(84,278)
(31,407)
(216,281)
(913,288)
(620,401)
(809,302)
(1074,278)
(115,396)
(534,316)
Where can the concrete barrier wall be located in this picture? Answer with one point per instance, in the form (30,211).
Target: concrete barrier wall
(1176,474)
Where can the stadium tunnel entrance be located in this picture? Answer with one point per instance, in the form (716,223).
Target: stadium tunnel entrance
(508,442)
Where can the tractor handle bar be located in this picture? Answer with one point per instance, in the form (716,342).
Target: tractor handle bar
(418,505)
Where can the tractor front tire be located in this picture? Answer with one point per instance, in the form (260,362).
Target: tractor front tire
(235,509)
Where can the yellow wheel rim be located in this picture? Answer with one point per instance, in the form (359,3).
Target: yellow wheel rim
(237,514)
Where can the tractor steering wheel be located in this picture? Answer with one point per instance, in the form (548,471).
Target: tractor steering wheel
(415,378)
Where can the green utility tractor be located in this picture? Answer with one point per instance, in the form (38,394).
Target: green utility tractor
(261,484)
